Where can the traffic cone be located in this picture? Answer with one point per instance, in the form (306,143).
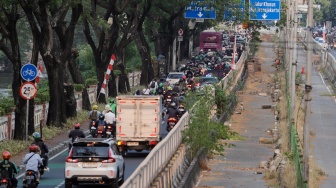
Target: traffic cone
(303,70)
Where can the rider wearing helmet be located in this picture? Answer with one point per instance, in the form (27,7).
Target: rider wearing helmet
(32,160)
(76,133)
(172,111)
(113,106)
(160,88)
(94,113)
(8,168)
(169,92)
(43,149)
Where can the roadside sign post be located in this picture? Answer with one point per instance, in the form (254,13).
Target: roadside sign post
(28,89)
(265,9)
(180,38)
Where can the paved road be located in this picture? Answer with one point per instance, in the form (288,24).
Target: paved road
(55,178)
(322,123)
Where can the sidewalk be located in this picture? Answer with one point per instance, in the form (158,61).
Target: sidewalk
(239,167)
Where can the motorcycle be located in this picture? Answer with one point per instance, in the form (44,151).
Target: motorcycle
(100,131)
(5,183)
(110,131)
(169,100)
(93,129)
(30,179)
(171,122)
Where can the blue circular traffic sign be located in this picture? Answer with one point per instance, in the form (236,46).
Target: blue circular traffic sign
(28,72)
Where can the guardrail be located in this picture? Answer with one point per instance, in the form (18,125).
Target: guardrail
(160,156)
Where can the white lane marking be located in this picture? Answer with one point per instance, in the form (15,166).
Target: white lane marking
(330,92)
(60,185)
(51,158)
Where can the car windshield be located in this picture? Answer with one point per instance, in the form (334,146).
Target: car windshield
(211,80)
(175,76)
(90,151)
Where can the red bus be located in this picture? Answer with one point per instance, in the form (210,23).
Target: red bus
(210,39)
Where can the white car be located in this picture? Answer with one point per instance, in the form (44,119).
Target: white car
(174,77)
(94,161)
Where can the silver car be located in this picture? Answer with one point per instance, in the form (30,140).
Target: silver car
(174,77)
(94,161)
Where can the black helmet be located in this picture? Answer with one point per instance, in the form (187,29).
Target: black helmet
(101,117)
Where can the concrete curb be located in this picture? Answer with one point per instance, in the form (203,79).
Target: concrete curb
(54,151)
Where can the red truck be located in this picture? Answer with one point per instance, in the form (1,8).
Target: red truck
(210,39)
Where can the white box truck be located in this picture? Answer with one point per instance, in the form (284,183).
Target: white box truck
(138,122)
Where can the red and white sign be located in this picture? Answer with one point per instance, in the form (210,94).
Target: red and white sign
(180,32)
(28,90)
(108,72)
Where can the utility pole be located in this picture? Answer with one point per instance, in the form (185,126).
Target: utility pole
(308,95)
(294,58)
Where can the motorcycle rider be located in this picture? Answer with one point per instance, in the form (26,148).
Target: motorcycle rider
(8,169)
(101,123)
(113,106)
(160,89)
(172,112)
(94,114)
(43,149)
(32,160)
(110,119)
(75,134)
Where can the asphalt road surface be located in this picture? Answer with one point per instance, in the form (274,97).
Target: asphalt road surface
(55,177)
(322,123)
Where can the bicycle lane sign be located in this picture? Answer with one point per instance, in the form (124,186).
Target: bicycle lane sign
(28,90)
(28,72)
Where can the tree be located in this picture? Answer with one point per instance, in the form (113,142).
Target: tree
(55,37)
(10,46)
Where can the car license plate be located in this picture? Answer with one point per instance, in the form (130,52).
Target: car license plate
(108,132)
(90,165)
(132,143)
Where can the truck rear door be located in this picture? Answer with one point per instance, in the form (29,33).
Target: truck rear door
(149,118)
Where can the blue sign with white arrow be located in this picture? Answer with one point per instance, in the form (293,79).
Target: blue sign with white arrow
(197,9)
(265,9)
(232,12)
(28,72)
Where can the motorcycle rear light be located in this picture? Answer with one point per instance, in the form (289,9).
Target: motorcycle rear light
(110,159)
(100,131)
(4,181)
(69,158)
(198,84)
(152,142)
(30,173)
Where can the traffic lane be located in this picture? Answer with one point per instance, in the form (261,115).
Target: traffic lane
(322,123)
(55,177)
(333,53)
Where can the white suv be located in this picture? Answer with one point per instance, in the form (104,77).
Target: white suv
(94,161)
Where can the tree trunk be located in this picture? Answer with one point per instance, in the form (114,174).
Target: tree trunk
(56,112)
(78,79)
(71,104)
(147,73)
(112,86)
(123,84)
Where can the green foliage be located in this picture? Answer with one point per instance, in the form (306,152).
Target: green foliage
(13,146)
(298,78)
(221,101)
(91,81)
(6,105)
(78,87)
(117,72)
(202,132)
(86,62)
(42,95)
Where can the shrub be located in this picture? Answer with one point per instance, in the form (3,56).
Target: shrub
(91,81)
(78,87)
(6,105)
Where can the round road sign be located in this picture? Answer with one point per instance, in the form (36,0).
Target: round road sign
(28,72)
(180,32)
(28,90)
